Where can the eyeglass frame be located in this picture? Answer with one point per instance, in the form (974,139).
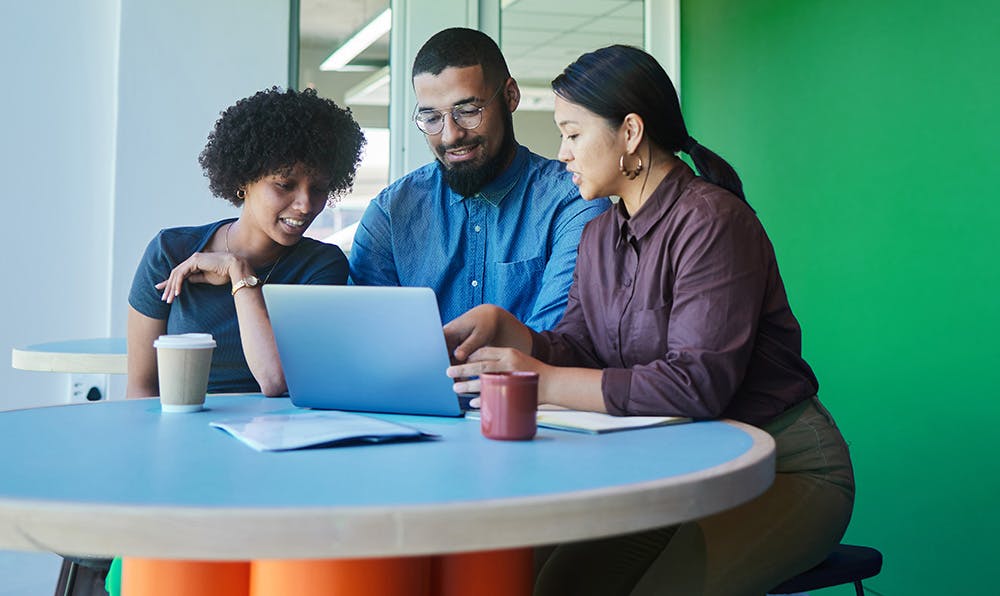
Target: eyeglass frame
(451,112)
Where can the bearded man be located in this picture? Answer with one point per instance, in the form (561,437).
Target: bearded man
(488,221)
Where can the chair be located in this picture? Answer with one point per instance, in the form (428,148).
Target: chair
(845,565)
(82,576)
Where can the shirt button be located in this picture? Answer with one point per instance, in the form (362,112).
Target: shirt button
(627,282)
(477,228)
(475,283)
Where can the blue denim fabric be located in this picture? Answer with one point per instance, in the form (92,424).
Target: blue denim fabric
(512,244)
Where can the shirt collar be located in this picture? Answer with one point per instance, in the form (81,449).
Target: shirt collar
(498,188)
(656,206)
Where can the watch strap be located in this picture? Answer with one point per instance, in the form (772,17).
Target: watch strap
(247,282)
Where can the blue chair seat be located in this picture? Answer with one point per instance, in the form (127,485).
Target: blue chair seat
(845,565)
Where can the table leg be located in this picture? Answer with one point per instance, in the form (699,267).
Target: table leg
(161,577)
(402,576)
(486,573)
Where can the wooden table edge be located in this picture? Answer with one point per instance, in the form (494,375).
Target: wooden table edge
(69,362)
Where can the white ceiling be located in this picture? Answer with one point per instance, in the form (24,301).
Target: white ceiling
(330,22)
(538,37)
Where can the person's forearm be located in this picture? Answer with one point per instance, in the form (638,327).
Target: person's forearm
(574,388)
(142,331)
(257,338)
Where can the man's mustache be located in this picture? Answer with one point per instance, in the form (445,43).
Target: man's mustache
(465,145)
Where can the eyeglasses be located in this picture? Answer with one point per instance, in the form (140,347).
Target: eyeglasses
(466,115)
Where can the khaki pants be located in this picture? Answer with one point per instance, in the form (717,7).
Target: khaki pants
(742,551)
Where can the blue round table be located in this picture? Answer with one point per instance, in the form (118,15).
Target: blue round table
(121,478)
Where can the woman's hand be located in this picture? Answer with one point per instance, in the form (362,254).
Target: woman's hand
(490,359)
(574,388)
(213,268)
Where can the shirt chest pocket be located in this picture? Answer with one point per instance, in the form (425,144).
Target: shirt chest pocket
(517,281)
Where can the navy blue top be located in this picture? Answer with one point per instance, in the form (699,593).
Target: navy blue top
(204,308)
(512,244)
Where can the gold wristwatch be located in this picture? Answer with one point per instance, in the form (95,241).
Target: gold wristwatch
(249,281)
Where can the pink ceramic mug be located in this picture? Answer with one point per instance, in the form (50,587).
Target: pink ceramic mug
(508,402)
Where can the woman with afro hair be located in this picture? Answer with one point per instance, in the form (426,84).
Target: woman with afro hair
(280,156)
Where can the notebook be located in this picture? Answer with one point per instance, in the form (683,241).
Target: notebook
(593,422)
(362,348)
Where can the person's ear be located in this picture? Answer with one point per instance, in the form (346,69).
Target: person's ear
(634,129)
(511,94)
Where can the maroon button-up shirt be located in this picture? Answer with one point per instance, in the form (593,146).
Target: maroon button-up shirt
(683,308)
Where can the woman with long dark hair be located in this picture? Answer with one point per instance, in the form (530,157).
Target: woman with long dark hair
(677,308)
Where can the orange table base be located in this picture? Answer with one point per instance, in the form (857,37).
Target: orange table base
(404,576)
(486,573)
(161,577)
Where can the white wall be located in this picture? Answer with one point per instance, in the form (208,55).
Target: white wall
(56,146)
(106,105)
(182,62)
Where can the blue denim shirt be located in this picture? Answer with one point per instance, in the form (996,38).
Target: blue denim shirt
(513,244)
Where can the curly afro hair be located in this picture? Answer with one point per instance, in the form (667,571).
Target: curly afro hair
(275,129)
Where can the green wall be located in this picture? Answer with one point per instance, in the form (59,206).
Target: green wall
(866,133)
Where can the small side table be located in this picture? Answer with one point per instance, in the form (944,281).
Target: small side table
(88,362)
(105,355)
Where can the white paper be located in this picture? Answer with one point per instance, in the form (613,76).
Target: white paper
(594,422)
(306,428)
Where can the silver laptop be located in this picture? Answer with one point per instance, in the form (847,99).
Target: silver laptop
(362,348)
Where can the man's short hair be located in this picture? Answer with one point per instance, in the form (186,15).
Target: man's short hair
(461,47)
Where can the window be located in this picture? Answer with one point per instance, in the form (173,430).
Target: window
(336,224)
(358,81)
(539,38)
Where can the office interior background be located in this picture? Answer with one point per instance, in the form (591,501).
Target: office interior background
(866,134)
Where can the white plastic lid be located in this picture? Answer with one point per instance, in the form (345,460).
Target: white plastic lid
(185,340)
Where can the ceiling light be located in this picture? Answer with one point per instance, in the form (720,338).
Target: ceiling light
(359,42)
(373,91)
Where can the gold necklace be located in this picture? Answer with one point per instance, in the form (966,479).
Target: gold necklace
(274,266)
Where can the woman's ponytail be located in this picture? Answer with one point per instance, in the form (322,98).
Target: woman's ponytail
(615,81)
(713,168)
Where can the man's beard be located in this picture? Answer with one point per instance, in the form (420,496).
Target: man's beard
(467,180)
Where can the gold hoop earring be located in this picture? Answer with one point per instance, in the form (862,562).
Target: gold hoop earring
(630,174)
(241,194)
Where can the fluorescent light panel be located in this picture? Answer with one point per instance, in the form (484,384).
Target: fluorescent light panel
(373,91)
(359,42)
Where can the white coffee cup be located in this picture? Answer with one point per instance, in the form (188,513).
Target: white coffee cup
(183,363)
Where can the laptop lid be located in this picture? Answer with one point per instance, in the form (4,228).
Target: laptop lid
(362,348)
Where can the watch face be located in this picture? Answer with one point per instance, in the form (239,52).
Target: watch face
(252,281)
